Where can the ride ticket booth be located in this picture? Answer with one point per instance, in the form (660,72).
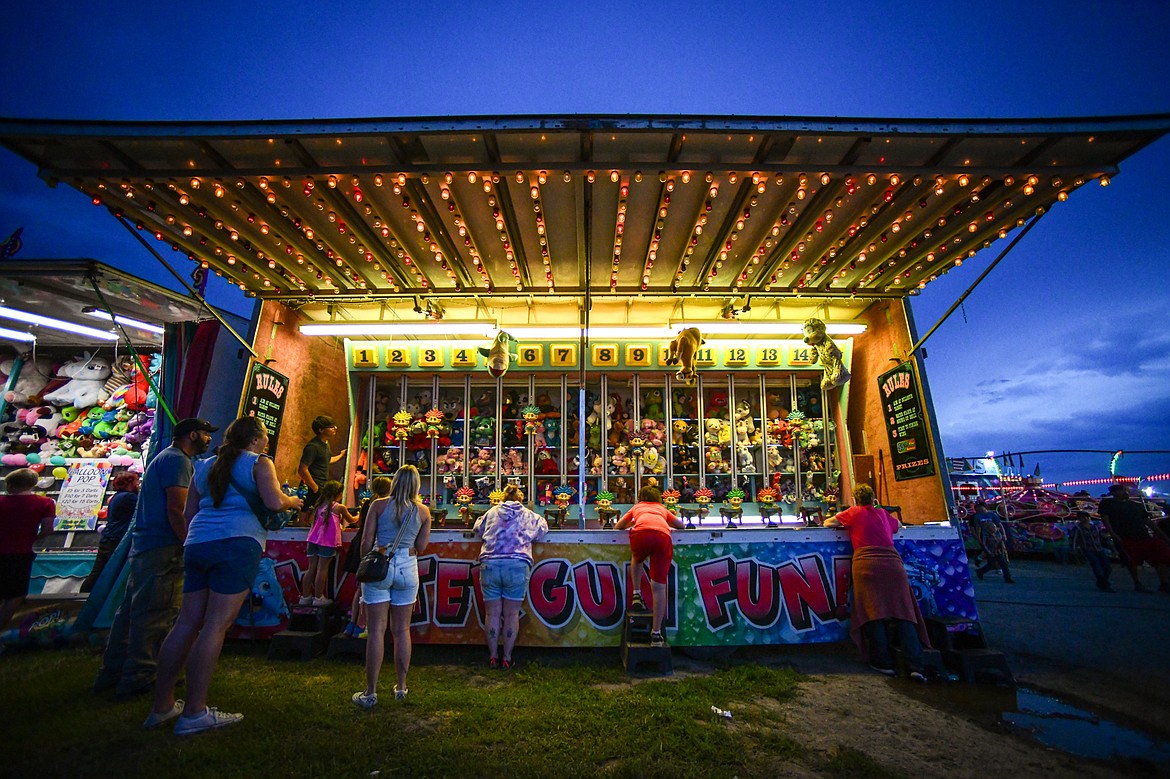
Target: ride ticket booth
(494,301)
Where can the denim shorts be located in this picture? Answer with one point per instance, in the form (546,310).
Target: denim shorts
(226,566)
(316,550)
(505,578)
(400,587)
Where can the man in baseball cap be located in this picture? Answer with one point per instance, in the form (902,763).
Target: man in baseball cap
(154,586)
(186,427)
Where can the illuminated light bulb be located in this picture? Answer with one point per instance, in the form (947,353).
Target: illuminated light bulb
(964,180)
(1103,181)
(1062,196)
(590,176)
(614,176)
(761,187)
(713,192)
(401,178)
(800,193)
(686,177)
(194,183)
(670,185)
(1029,189)
(219,190)
(377,179)
(183,200)
(471,177)
(732,177)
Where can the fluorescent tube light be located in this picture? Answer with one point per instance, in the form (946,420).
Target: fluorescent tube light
(124,320)
(358,329)
(56,324)
(16,335)
(748,327)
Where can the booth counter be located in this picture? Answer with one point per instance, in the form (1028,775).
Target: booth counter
(727,587)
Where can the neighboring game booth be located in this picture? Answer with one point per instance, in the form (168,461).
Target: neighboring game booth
(80,403)
(500,299)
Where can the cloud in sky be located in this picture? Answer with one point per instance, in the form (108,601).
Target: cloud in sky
(1111,391)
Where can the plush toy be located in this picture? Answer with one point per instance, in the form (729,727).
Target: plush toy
(594,416)
(498,357)
(552,432)
(618,462)
(514,463)
(743,416)
(135,395)
(652,404)
(34,377)
(87,376)
(652,462)
(682,353)
(827,353)
(716,404)
(718,431)
(546,464)
(743,459)
(121,374)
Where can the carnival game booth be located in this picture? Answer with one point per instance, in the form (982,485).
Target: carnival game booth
(500,299)
(87,350)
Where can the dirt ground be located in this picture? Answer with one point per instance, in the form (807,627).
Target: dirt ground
(1104,653)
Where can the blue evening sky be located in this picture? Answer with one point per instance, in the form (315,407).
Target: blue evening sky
(1064,346)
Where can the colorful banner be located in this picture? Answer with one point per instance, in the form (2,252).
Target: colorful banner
(81,497)
(738,593)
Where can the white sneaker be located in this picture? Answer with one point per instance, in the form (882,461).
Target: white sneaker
(153,720)
(306,600)
(364,700)
(319,602)
(210,719)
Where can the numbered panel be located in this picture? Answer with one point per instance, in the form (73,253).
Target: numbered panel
(530,356)
(398,357)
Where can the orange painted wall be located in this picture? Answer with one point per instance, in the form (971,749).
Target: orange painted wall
(318,383)
(887,336)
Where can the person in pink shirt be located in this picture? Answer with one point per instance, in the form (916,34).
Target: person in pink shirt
(882,598)
(323,542)
(650,523)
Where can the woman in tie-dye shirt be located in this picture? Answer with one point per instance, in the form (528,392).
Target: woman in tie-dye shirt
(508,531)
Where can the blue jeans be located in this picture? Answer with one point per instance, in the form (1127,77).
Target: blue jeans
(1099,563)
(877,641)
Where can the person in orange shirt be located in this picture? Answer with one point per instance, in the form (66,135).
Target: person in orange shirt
(650,523)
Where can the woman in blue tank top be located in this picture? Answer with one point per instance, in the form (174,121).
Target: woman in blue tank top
(220,556)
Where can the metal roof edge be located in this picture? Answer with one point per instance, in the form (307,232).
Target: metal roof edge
(1152,123)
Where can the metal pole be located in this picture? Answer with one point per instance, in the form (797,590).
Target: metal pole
(971,288)
(189,288)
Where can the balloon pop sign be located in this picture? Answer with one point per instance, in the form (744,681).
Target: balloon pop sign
(81,496)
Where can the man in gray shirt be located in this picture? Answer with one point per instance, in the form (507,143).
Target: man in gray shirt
(155,584)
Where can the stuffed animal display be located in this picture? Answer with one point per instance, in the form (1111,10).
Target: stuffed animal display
(827,353)
(74,415)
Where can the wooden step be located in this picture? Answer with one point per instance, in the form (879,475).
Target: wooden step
(636,655)
(345,644)
(306,644)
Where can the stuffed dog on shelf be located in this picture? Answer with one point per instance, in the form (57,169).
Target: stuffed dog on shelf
(682,353)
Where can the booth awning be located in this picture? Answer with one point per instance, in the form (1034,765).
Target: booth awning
(63,291)
(374,219)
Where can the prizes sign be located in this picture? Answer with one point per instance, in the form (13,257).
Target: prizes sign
(264,398)
(905,424)
(81,497)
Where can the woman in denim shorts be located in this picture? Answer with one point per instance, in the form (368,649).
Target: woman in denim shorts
(394,596)
(220,557)
(508,531)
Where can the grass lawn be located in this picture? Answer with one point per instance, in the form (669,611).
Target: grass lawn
(565,713)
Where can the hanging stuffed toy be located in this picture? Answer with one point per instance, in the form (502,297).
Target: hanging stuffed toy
(682,353)
(827,353)
(498,357)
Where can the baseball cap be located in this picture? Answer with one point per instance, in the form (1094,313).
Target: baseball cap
(190,425)
(1118,489)
(323,423)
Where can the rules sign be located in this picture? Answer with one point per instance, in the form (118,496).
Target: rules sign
(264,398)
(905,425)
